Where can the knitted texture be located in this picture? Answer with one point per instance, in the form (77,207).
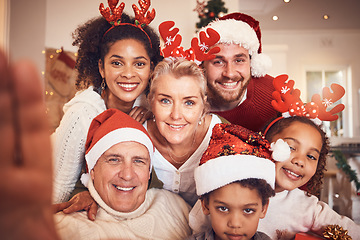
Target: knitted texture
(68,141)
(163,215)
(256,111)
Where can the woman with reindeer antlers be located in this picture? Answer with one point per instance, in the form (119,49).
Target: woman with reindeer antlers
(116,56)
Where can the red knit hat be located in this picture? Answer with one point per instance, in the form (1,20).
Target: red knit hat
(235,153)
(107,129)
(242,29)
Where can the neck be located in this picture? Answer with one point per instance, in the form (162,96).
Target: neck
(113,102)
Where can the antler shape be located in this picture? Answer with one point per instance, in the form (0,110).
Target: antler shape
(285,94)
(142,15)
(171,38)
(113,17)
(327,100)
(205,43)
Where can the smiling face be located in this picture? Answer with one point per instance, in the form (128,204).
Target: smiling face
(228,75)
(305,143)
(126,69)
(234,211)
(121,176)
(178,106)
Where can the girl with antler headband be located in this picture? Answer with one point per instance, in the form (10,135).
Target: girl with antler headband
(293,210)
(116,56)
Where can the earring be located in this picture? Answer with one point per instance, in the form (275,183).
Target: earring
(154,119)
(200,122)
(103,84)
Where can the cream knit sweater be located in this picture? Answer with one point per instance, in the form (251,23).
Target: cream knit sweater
(163,215)
(68,141)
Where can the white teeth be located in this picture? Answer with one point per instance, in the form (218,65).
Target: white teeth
(127,85)
(176,126)
(124,189)
(292,173)
(229,84)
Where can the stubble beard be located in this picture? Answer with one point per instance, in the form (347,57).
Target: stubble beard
(219,98)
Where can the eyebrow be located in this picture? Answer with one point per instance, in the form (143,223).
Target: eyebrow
(245,205)
(297,142)
(236,56)
(118,56)
(168,96)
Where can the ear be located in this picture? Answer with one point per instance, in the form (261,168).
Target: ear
(205,206)
(101,68)
(92,174)
(264,210)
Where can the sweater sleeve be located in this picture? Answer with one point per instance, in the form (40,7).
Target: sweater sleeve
(69,148)
(324,216)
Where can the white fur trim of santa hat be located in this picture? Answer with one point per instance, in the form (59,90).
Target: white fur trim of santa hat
(238,32)
(110,139)
(220,171)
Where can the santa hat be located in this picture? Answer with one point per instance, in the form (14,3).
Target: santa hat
(242,29)
(107,129)
(236,153)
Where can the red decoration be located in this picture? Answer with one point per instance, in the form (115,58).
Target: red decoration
(307,236)
(211,14)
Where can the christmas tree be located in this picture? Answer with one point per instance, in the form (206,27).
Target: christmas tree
(209,11)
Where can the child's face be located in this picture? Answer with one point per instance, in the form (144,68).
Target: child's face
(234,211)
(305,143)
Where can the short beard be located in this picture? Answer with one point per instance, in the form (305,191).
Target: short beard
(217,99)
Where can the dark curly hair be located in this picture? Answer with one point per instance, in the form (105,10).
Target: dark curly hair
(313,186)
(263,189)
(94,45)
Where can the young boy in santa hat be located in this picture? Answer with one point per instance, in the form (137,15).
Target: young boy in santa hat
(234,180)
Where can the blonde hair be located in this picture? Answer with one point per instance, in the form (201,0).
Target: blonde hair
(179,67)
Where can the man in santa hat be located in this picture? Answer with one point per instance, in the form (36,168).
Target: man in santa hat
(238,87)
(118,167)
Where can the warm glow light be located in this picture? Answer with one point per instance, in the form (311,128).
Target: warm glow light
(326,17)
(43,51)
(51,56)
(275,18)
(286,1)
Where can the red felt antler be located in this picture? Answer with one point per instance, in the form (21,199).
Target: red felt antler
(285,94)
(142,15)
(171,37)
(327,100)
(113,17)
(201,50)
(197,51)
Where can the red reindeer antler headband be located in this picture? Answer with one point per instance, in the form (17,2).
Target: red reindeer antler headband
(198,52)
(113,14)
(287,101)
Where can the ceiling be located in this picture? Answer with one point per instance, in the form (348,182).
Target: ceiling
(304,14)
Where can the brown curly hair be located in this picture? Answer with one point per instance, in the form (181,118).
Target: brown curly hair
(313,186)
(94,45)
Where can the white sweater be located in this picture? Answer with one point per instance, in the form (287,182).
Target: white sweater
(289,212)
(69,141)
(163,215)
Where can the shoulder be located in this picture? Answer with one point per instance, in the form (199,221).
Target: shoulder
(261,236)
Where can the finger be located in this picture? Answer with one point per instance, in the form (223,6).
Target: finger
(134,112)
(33,126)
(60,206)
(7,140)
(92,211)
